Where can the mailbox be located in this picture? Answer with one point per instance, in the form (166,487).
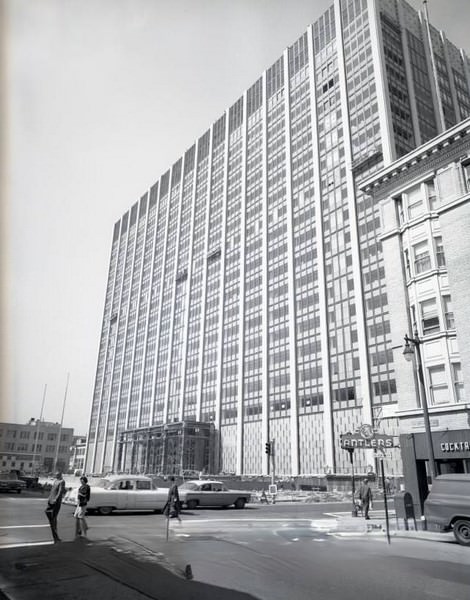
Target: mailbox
(404,508)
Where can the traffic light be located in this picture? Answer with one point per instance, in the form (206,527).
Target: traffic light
(267,448)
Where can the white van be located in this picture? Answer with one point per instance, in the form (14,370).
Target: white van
(448,505)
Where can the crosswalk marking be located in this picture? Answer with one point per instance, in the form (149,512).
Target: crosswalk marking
(24,545)
(21,526)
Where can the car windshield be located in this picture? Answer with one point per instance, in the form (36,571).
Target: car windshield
(188,485)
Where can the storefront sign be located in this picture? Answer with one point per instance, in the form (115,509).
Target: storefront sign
(355,440)
(455,446)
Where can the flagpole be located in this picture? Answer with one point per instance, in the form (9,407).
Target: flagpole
(35,445)
(61,423)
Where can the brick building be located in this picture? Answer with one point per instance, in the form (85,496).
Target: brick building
(424,200)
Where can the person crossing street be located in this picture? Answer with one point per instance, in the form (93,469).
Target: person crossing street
(365,496)
(172,507)
(54,502)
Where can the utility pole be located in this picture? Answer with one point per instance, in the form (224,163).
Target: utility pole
(413,348)
(273,462)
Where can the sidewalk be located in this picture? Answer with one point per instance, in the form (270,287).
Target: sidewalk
(77,570)
(349,526)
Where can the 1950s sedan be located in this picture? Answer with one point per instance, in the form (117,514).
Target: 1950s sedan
(211,493)
(122,492)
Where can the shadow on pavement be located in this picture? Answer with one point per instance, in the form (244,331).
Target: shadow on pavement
(71,570)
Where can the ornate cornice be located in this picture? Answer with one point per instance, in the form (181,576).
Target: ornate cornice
(439,151)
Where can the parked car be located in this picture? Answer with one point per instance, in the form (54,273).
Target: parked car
(211,493)
(30,480)
(9,482)
(448,505)
(122,492)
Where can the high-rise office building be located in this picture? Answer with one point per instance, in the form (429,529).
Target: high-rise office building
(246,296)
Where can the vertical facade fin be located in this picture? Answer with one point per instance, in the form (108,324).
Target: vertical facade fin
(294,424)
(241,315)
(328,442)
(204,280)
(356,258)
(265,307)
(385,118)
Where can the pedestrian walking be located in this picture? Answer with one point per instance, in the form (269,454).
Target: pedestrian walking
(54,502)
(172,507)
(365,496)
(83,497)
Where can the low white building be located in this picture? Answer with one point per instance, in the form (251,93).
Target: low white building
(35,447)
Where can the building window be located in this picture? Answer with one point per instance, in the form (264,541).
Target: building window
(466,175)
(421,257)
(399,206)
(438,385)
(415,202)
(429,316)
(458,382)
(440,258)
(432,194)
(448,312)
(407,263)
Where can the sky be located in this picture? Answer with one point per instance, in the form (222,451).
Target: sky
(101,97)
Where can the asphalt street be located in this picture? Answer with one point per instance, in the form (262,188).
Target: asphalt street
(273,552)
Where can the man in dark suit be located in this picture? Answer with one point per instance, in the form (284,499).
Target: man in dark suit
(365,495)
(54,502)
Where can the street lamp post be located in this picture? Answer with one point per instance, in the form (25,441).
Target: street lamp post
(412,347)
(353,486)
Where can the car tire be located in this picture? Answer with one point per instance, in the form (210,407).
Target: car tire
(191,504)
(462,531)
(240,503)
(105,510)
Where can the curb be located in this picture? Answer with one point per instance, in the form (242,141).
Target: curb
(429,536)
